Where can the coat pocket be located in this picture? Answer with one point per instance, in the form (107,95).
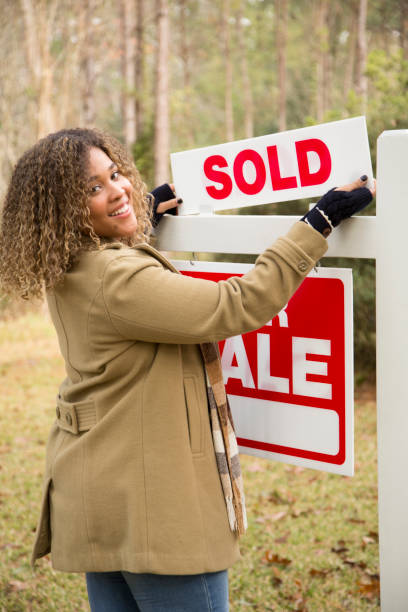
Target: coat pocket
(194,415)
(42,542)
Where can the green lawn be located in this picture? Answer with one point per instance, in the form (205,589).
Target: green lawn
(312,543)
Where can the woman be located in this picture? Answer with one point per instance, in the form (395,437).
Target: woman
(142,492)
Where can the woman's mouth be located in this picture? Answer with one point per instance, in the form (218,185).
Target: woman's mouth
(123,210)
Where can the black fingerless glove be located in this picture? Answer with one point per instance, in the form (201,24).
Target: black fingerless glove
(335,206)
(161,194)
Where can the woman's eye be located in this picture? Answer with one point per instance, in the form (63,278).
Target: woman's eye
(115,175)
(95,188)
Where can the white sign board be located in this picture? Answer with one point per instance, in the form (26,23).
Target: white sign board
(290,383)
(290,165)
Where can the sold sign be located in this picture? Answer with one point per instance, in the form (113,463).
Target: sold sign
(279,167)
(290,383)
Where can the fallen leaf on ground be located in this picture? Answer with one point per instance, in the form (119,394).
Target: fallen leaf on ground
(277,579)
(367,540)
(255,467)
(372,574)
(296,512)
(277,498)
(21,441)
(283,539)
(319,573)
(278,516)
(300,605)
(355,563)
(339,550)
(17,585)
(369,586)
(271,557)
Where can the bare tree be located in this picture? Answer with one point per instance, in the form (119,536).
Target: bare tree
(39,20)
(351,55)
(139,68)
(321,64)
(281,38)
(87,62)
(161,127)
(361,79)
(185,60)
(127,31)
(226,39)
(246,81)
(403,29)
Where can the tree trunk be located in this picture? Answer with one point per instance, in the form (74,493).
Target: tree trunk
(87,63)
(226,38)
(246,81)
(139,68)
(127,27)
(361,84)
(351,56)
(31,40)
(321,64)
(185,60)
(38,27)
(281,40)
(161,132)
(404,28)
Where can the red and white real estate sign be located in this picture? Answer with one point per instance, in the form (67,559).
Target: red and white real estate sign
(290,383)
(291,165)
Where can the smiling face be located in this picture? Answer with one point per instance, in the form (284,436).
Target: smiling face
(110,197)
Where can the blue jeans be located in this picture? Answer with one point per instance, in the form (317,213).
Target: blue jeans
(126,592)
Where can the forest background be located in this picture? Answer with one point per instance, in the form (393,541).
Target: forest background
(165,76)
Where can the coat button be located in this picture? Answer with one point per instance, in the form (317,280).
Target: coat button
(57,410)
(303,265)
(68,418)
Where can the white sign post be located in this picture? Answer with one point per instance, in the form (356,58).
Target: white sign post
(392,368)
(382,238)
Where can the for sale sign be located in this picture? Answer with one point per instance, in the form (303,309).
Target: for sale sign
(290,383)
(290,165)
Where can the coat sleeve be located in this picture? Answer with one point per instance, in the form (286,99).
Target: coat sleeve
(147,302)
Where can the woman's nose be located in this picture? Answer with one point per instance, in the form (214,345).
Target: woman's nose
(116,190)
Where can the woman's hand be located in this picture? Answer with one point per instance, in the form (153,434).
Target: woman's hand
(164,200)
(360,182)
(338,204)
(166,205)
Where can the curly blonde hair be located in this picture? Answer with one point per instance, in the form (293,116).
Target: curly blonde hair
(46,220)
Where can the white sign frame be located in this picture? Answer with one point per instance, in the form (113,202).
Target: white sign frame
(364,237)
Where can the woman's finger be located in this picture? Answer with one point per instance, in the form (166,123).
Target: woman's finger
(360,182)
(164,206)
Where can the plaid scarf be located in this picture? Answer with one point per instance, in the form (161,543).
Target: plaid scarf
(225,442)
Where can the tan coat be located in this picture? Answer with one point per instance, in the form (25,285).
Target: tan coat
(131,480)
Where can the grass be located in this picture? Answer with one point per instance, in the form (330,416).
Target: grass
(312,539)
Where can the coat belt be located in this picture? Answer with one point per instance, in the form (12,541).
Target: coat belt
(75,417)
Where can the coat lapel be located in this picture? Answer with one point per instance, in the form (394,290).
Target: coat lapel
(147,248)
